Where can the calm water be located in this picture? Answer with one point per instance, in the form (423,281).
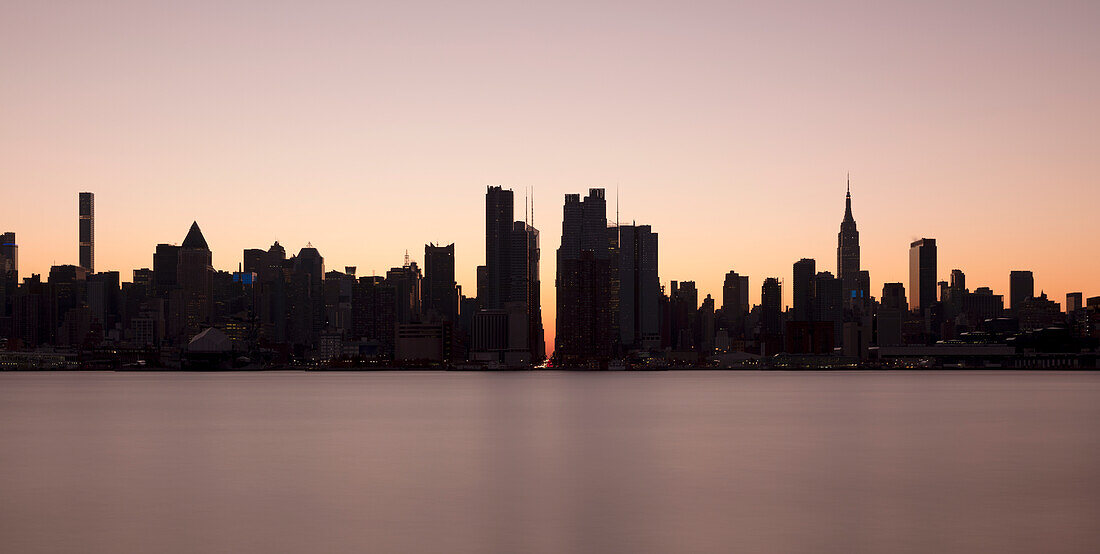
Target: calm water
(550,462)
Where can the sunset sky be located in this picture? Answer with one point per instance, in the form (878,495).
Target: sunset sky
(372,128)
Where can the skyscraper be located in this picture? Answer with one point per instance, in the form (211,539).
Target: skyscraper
(196,281)
(891,313)
(583,281)
(498,230)
(439,289)
(639,287)
(509,279)
(922,274)
(9,271)
(684,307)
(847,253)
(735,303)
(771,304)
(829,302)
(1021,286)
(804,271)
(87,231)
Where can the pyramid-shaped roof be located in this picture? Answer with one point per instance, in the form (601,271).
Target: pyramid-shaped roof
(194,238)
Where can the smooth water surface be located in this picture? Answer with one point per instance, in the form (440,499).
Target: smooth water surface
(550,462)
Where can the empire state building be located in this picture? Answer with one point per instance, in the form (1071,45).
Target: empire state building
(847,252)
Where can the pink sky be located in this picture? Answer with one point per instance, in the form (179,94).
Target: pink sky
(372,129)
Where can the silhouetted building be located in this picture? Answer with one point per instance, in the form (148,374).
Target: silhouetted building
(847,254)
(829,302)
(67,290)
(922,274)
(305,299)
(804,271)
(771,305)
(406,283)
(1021,286)
(639,288)
(583,282)
(86,222)
(373,316)
(165,268)
(735,304)
(1074,301)
(1038,313)
(891,314)
(196,280)
(705,330)
(499,206)
(509,280)
(684,304)
(810,337)
(9,271)
(524,293)
(439,288)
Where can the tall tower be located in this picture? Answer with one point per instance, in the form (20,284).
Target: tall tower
(498,230)
(195,277)
(804,271)
(1021,286)
(87,231)
(847,252)
(922,274)
(584,323)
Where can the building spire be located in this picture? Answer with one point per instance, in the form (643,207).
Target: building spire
(848,201)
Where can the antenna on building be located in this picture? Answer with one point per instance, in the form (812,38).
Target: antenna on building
(849,182)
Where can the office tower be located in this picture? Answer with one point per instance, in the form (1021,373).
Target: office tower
(922,274)
(1039,312)
(771,304)
(498,230)
(829,302)
(195,276)
(439,289)
(87,231)
(104,297)
(305,298)
(583,281)
(891,314)
(958,281)
(143,277)
(373,317)
(639,288)
(406,284)
(271,275)
(509,279)
(735,304)
(165,268)
(1074,301)
(255,261)
(1021,286)
(804,271)
(66,292)
(705,330)
(847,253)
(9,271)
(684,306)
(529,289)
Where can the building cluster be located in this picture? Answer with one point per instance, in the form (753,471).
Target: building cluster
(612,310)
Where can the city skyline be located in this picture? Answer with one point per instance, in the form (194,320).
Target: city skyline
(787,287)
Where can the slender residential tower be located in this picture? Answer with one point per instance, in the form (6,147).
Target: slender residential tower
(847,252)
(87,231)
